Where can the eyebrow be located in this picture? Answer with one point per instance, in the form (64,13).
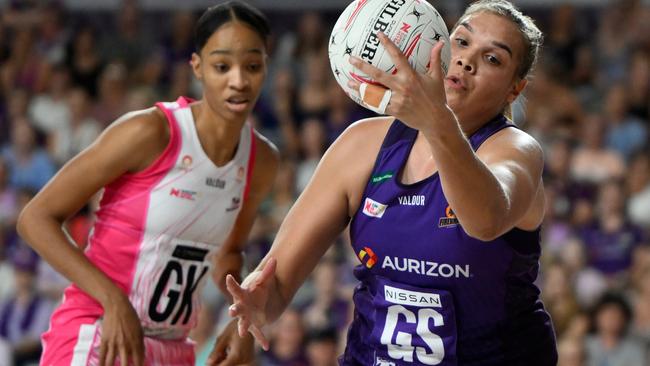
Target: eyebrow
(466,25)
(503,46)
(229,52)
(498,44)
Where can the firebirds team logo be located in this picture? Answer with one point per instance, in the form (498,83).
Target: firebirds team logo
(449,220)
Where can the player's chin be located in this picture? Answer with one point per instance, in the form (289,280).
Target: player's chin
(455,100)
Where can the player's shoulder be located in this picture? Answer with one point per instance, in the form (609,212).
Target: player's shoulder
(357,147)
(138,136)
(365,133)
(142,126)
(518,139)
(513,143)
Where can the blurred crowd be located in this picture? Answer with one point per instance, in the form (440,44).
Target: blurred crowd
(66,75)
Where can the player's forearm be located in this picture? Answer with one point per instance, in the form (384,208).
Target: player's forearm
(227,263)
(46,236)
(474,193)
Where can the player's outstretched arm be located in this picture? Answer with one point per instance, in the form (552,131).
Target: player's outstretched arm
(129,145)
(319,215)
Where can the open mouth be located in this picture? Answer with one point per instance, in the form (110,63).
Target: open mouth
(237,104)
(455,83)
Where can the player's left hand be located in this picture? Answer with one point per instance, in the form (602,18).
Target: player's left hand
(230,349)
(416,98)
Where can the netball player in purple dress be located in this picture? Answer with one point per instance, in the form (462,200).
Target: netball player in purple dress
(444,202)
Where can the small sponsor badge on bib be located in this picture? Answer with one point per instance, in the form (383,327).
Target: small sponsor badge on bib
(373,208)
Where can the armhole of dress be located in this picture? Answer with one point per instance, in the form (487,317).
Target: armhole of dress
(251,164)
(169,155)
(396,133)
(505,125)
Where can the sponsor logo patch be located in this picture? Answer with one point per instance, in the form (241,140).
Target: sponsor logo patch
(241,172)
(426,268)
(183,194)
(414,200)
(449,219)
(186,162)
(373,208)
(215,182)
(413,298)
(367,256)
(234,204)
(381,177)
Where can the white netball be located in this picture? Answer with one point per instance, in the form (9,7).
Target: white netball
(415,26)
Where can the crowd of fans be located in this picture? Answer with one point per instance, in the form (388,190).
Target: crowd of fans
(65,76)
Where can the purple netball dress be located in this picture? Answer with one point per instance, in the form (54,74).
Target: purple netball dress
(429,294)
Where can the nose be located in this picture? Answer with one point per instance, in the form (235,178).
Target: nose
(466,65)
(238,79)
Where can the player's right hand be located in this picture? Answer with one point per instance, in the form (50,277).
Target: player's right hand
(122,336)
(250,300)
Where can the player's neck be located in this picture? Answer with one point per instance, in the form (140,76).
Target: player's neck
(219,137)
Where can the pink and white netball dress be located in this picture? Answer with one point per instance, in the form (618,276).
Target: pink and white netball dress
(154,235)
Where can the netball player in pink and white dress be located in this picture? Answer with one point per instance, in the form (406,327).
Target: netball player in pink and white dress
(182,183)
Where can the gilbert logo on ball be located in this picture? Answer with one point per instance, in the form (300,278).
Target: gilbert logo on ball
(413,25)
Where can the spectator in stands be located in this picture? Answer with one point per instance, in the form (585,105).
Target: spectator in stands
(24,316)
(310,38)
(638,83)
(49,111)
(611,240)
(638,189)
(286,342)
(29,165)
(592,162)
(328,309)
(558,297)
(79,133)
(587,283)
(8,198)
(112,90)
(641,306)
(83,60)
(23,69)
(313,144)
(6,271)
(16,108)
(322,347)
(178,43)
(342,112)
(129,43)
(571,352)
(562,41)
(610,344)
(625,133)
(313,95)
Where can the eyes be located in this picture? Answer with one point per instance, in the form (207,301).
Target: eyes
(489,58)
(222,67)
